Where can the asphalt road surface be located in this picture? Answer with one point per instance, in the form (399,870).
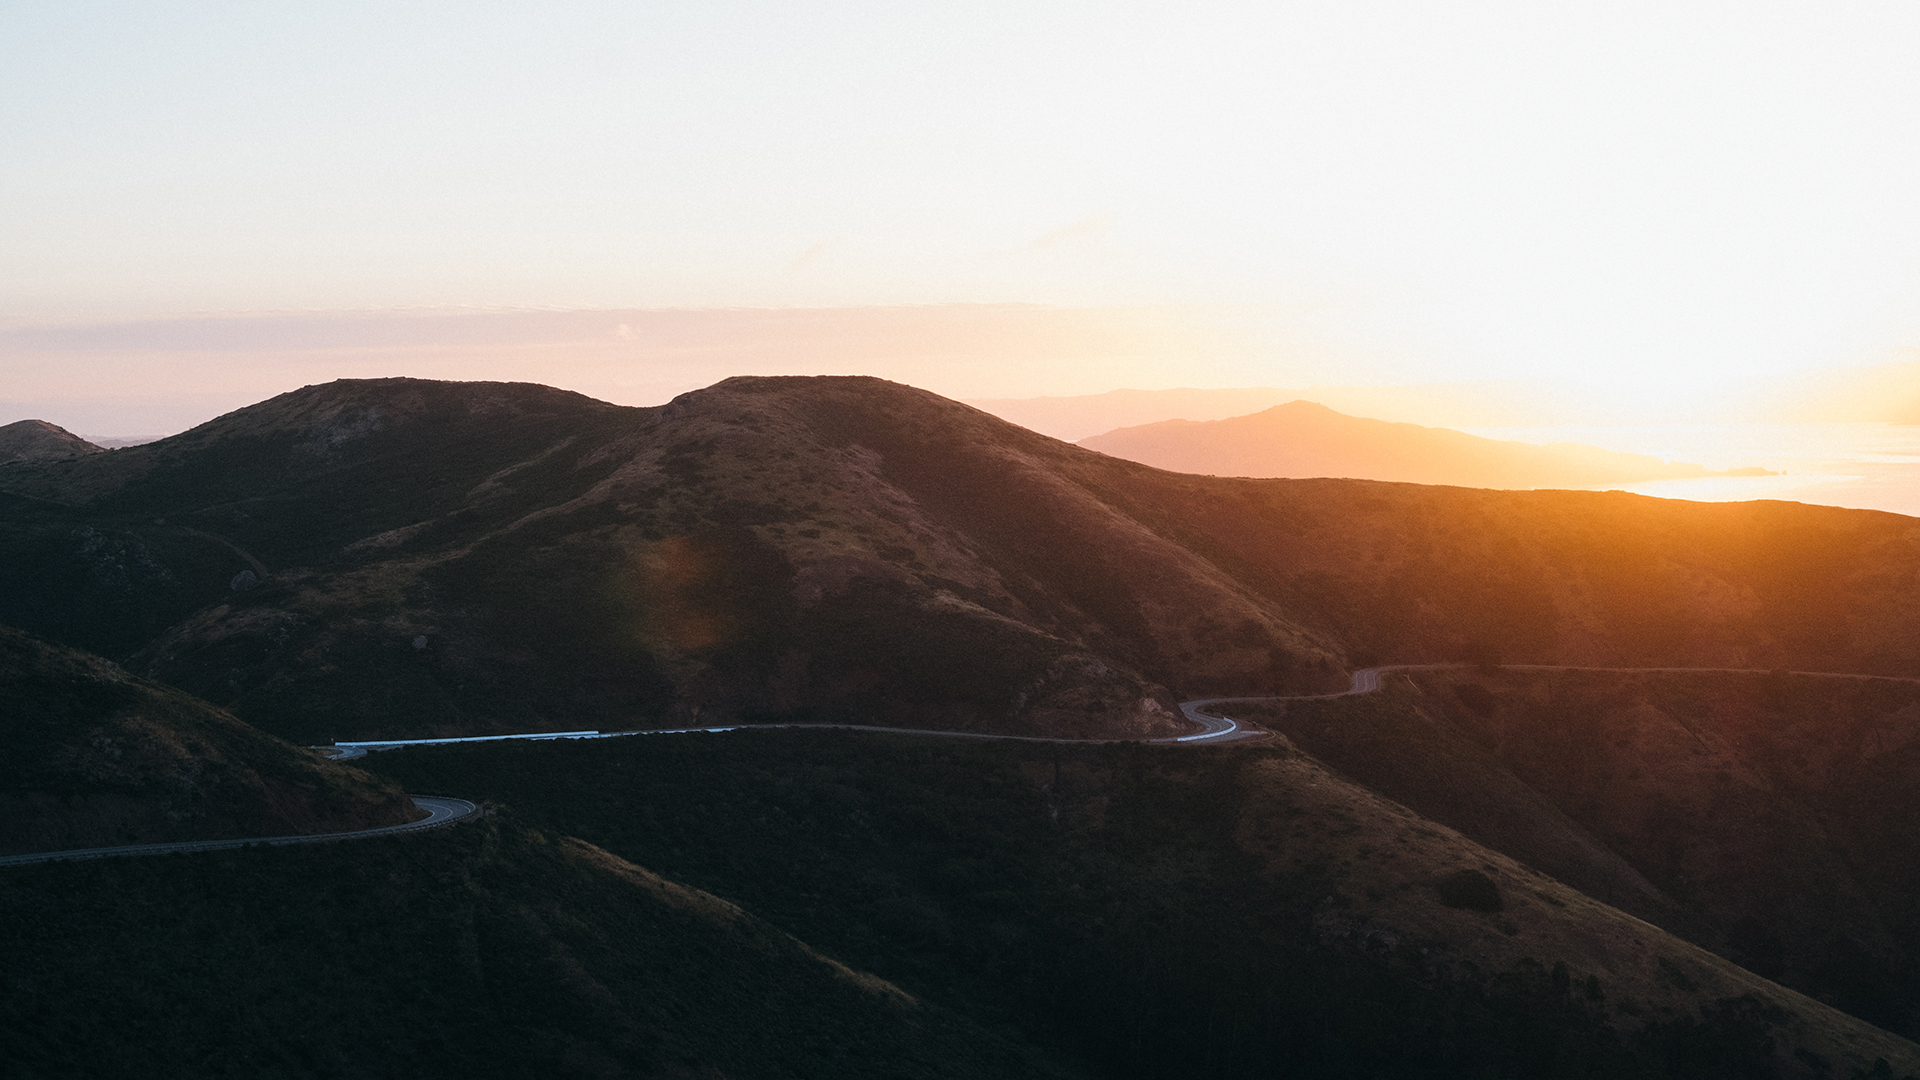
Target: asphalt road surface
(439,812)
(1218,728)
(1214,728)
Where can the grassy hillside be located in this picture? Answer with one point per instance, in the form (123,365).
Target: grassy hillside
(1770,817)
(1230,912)
(91,756)
(487,950)
(574,564)
(398,557)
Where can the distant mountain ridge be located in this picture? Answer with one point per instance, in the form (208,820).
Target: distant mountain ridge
(1302,439)
(1071,419)
(1503,403)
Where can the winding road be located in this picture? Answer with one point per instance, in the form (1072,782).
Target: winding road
(1219,729)
(1205,712)
(440,811)
(1213,728)
(444,811)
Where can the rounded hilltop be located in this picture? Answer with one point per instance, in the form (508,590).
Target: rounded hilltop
(38,440)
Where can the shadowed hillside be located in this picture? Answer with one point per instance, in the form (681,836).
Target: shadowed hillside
(487,950)
(1768,816)
(1232,912)
(1302,439)
(397,557)
(91,756)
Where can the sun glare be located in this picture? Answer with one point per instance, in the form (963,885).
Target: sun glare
(1663,195)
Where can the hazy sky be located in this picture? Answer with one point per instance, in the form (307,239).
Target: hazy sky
(1654,195)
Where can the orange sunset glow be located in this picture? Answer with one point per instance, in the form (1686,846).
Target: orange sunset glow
(1596,216)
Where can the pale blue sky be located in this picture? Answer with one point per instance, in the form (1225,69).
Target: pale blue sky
(1667,195)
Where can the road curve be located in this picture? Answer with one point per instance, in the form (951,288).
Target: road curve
(440,811)
(1218,728)
(1214,728)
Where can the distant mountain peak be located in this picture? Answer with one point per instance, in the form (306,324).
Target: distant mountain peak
(1305,439)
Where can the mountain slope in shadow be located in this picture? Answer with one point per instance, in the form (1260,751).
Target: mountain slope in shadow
(1238,911)
(1768,816)
(91,756)
(486,950)
(1303,439)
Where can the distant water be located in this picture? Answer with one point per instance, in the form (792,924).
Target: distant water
(1865,466)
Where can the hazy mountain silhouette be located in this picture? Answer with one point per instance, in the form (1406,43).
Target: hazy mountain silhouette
(1078,417)
(1303,439)
(1500,403)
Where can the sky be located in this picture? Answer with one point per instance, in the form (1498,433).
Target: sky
(1660,201)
